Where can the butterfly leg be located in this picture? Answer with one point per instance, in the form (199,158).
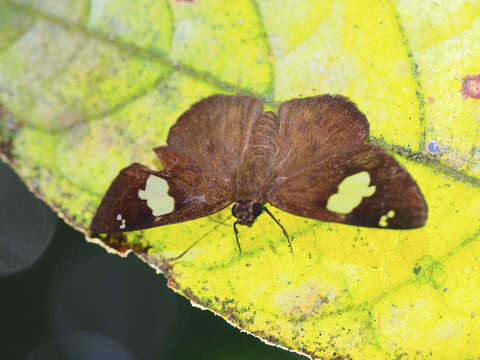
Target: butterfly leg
(281,226)
(236,235)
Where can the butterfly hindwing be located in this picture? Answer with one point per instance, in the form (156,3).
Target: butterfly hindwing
(140,198)
(361,186)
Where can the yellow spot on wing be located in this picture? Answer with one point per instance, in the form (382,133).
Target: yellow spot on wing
(350,193)
(383,222)
(156,194)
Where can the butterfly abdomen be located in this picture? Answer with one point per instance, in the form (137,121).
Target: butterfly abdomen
(263,138)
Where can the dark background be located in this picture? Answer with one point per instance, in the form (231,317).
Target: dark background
(63,298)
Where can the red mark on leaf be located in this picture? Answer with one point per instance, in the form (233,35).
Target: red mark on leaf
(430,100)
(471,86)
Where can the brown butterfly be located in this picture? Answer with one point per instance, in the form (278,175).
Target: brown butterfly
(310,160)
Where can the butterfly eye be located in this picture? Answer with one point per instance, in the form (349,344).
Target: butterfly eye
(257,209)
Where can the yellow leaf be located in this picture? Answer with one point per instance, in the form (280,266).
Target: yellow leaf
(88,87)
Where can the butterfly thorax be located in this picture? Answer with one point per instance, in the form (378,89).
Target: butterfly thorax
(252,180)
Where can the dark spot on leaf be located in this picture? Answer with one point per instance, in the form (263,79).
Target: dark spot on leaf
(471,86)
(341,357)
(270,338)
(189,294)
(160,264)
(6,148)
(417,269)
(9,126)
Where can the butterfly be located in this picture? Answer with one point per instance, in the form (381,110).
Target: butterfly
(310,160)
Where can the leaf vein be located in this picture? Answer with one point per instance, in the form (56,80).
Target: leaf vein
(415,73)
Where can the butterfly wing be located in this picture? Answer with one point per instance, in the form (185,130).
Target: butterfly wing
(214,133)
(140,198)
(311,129)
(326,172)
(205,148)
(363,186)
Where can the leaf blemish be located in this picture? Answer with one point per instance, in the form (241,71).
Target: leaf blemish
(433,147)
(471,86)
(304,300)
(417,269)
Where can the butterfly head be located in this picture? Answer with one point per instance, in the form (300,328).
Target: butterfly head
(246,211)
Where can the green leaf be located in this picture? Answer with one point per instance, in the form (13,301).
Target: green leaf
(88,87)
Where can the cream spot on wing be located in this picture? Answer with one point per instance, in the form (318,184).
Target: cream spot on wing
(383,222)
(156,194)
(124,223)
(350,193)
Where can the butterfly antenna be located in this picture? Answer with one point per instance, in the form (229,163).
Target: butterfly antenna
(199,239)
(281,226)
(236,235)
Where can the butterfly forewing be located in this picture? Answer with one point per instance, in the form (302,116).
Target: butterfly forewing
(214,133)
(205,148)
(140,198)
(361,186)
(311,129)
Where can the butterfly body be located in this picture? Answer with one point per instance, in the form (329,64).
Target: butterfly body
(253,177)
(310,160)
